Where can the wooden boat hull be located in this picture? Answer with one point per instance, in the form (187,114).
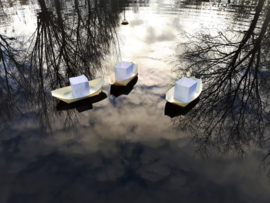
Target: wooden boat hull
(124,82)
(170,94)
(65,93)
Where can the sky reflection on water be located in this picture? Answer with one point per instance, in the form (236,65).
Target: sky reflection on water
(124,149)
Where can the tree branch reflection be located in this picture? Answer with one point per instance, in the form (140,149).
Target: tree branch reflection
(10,78)
(61,47)
(233,112)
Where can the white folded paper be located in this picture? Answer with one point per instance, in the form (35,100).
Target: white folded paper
(79,86)
(123,70)
(185,89)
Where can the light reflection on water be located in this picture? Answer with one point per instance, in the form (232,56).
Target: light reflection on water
(124,148)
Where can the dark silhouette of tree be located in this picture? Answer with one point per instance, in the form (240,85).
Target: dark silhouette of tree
(10,78)
(61,47)
(77,45)
(67,46)
(233,112)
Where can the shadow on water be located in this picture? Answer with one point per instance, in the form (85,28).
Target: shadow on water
(123,90)
(173,110)
(82,105)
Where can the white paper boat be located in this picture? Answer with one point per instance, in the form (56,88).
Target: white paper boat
(124,82)
(170,94)
(65,94)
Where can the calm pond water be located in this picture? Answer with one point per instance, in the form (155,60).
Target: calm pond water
(128,144)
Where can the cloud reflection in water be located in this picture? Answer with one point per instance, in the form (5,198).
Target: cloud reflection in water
(124,149)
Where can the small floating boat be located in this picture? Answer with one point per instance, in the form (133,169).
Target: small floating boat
(170,94)
(112,80)
(65,94)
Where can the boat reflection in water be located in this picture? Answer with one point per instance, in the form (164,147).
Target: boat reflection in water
(83,105)
(119,90)
(173,110)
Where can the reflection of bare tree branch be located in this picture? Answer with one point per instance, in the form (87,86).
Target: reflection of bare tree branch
(10,78)
(234,110)
(61,47)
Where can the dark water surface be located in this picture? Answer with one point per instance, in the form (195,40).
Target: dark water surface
(127,144)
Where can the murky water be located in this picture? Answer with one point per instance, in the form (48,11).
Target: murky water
(129,144)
